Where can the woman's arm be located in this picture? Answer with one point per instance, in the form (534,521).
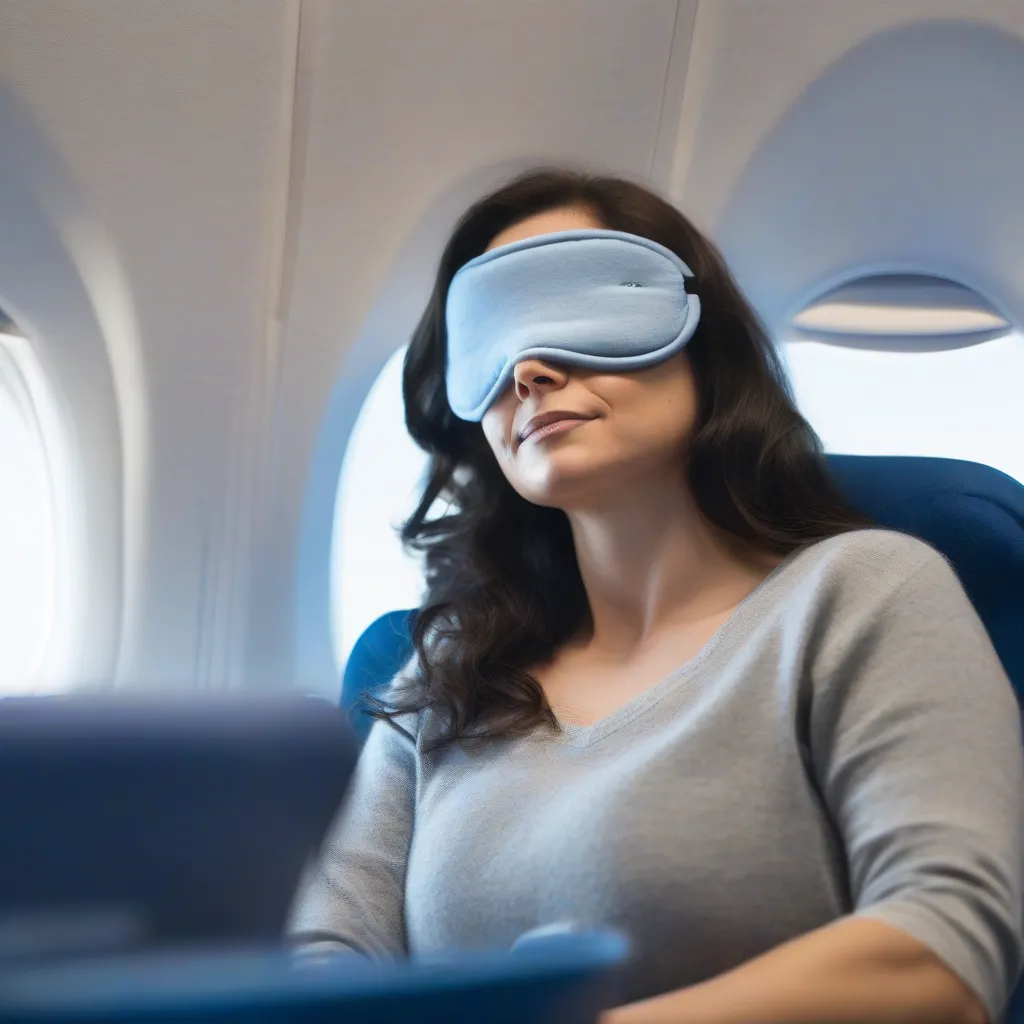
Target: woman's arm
(353,897)
(914,745)
(850,972)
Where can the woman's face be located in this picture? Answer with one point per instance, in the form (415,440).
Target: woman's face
(622,430)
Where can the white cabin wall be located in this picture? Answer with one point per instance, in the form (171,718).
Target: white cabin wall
(751,61)
(174,122)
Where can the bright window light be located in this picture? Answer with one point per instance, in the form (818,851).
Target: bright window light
(27,525)
(961,403)
(370,572)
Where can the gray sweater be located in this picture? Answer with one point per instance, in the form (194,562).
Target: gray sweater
(846,743)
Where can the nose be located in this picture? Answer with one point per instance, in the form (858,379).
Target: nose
(536,377)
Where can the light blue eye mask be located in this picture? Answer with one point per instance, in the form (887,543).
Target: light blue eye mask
(601,300)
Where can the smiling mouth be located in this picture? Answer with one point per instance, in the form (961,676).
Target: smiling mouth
(556,427)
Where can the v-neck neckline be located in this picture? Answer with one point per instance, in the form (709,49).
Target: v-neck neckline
(576,735)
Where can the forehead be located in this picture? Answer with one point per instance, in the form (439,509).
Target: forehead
(546,223)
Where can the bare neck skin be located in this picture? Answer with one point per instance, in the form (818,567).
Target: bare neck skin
(650,562)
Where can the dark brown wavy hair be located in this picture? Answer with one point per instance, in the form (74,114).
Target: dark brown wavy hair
(503,588)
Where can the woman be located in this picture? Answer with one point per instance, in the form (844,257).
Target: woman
(664,680)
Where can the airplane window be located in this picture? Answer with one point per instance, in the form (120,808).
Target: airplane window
(910,365)
(370,572)
(27,519)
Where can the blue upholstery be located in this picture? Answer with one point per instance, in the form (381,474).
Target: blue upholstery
(379,653)
(973,514)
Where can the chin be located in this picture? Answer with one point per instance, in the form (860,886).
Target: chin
(560,485)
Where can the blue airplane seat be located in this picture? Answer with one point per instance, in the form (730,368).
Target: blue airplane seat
(973,514)
(383,648)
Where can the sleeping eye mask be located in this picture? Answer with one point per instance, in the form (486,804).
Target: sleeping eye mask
(596,299)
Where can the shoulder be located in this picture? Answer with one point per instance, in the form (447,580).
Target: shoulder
(872,563)
(416,729)
(870,580)
(875,590)
(884,623)
(878,547)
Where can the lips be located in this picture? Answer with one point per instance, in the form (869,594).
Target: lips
(547,418)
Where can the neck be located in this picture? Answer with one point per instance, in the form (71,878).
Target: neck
(649,560)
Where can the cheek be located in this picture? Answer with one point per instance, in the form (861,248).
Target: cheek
(650,416)
(496,425)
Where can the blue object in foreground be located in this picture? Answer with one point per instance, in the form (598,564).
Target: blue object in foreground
(566,979)
(156,820)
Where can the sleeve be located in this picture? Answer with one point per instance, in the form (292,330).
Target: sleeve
(916,743)
(353,896)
